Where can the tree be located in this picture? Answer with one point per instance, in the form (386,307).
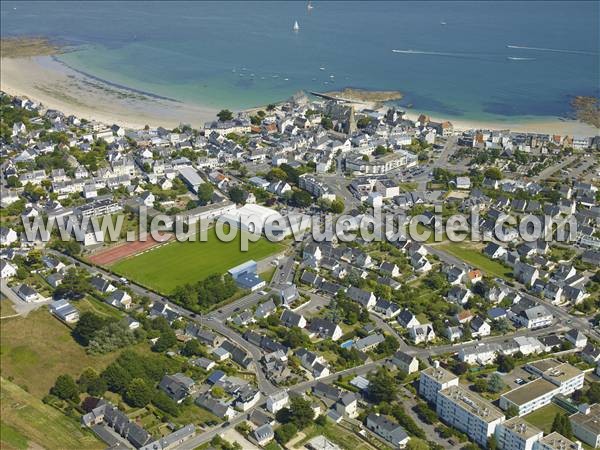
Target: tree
(192,348)
(321,420)
(364,122)
(65,388)
(138,393)
(165,403)
(506,363)
(493,173)
(561,424)
(225,115)
(511,411)
(426,414)
(388,346)
(285,432)
(301,199)
(88,324)
(90,382)
(236,195)
(166,340)
(74,285)
(382,387)
(417,444)
(337,206)
(593,393)
(277,174)
(116,377)
(301,412)
(326,122)
(205,193)
(495,383)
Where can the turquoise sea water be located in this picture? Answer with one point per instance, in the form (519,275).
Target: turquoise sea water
(452,58)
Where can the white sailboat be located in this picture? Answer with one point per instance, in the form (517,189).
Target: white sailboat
(296,27)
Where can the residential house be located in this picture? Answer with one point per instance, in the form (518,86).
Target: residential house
(324,329)
(119,299)
(177,386)
(422,333)
(405,362)
(291,319)
(388,430)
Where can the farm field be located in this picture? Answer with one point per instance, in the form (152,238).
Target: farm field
(473,256)
(29,423)
(35,350)
(168,266)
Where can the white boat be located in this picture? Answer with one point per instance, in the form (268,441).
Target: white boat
(296,27)
(321,68)
(309,6)
(442,23)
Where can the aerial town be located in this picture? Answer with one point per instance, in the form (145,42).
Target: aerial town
(156,343)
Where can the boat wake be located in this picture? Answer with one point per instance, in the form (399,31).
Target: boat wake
(556,50)
(447,54)
(516,58)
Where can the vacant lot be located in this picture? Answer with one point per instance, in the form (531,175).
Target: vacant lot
(543,417)
(168,266)
(473,256)
(37,349)
(27,421)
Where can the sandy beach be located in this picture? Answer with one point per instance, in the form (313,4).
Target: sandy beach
(559,127)
(56,86)
(43,79)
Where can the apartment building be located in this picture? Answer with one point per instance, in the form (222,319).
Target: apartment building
(517,434)
(554,378)
(586,425)
(433,380)
(468,412)
(556,441)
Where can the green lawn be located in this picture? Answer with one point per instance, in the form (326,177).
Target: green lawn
(10,437)
(177,263)
(335,434)
(473,256)
(543,417)
(99,307)
(25,420)
(35,350)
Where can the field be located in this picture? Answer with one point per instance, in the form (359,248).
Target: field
(473,256)
(170,265)
(336,434)
(111,255)
(29,423)
(543,417)
(35,350)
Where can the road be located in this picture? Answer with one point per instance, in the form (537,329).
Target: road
(215,321)
(560,314)
(548,171)
(208,321)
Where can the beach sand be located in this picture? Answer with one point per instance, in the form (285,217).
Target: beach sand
(43,79)
(56,86)
(559,127)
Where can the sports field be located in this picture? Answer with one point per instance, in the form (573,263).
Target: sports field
(165,267)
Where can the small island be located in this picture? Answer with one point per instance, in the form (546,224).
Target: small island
(365,95)
(27,47)
(587,110)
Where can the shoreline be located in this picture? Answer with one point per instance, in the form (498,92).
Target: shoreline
(56,85)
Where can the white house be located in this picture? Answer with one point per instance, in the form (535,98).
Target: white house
(277,401)
(7,270)
(8,236)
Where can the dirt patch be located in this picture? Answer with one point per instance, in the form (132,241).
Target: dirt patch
(111,255)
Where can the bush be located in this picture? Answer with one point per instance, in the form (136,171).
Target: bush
(285,432)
